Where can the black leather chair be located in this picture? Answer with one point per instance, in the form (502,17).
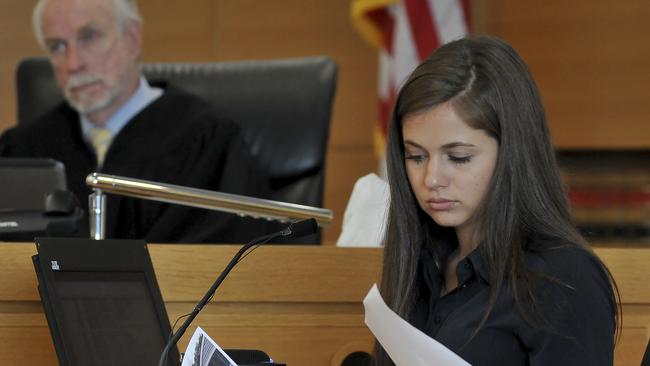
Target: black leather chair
(283,105)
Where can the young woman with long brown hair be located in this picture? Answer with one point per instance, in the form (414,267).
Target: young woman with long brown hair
(480,250)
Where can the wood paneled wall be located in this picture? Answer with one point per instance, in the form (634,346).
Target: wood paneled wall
(588,56)
(590,60)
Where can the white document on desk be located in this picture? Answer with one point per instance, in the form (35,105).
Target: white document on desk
(405,344)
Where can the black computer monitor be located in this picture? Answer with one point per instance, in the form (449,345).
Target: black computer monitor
(34,200)
(25,182)
(102,302)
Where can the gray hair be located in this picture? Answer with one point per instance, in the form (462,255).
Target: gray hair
(126,11)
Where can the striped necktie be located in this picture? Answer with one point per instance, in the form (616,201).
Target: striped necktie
(100,138)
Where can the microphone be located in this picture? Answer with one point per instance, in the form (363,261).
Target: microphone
(296,229)
(300,228)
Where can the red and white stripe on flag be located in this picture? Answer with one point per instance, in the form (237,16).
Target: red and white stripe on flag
(405,32)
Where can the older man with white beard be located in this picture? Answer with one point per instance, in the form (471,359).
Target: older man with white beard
(113,121)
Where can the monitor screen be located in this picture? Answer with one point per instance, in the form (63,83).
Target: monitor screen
(110,318)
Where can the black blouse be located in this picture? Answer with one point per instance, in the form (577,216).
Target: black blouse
(578,313)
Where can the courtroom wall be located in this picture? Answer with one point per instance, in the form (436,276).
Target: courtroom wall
(590,60)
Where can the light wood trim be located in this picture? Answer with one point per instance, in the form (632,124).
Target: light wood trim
(270,273)
(630,269)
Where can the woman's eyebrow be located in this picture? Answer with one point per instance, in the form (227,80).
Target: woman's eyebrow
(452,145)
(412,143)
(447,146)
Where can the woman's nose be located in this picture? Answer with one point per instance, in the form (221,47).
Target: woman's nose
(435,176)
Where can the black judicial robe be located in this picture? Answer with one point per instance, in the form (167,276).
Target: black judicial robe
(177,139)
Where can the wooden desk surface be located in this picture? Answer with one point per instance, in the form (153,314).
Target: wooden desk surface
(301,304)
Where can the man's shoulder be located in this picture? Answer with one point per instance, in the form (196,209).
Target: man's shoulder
(176,121)
(57,121)
(49,135)
(178,109)
(179,100)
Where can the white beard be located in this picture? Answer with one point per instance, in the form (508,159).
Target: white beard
(86,103)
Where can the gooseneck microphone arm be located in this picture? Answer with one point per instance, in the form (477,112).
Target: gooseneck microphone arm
(192,197)
(296,229)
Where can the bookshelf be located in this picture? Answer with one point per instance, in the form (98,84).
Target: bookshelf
(609,191)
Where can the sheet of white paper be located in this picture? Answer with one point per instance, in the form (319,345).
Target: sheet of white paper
(405,344)
(203,351)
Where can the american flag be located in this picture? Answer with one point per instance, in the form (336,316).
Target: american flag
(405,32)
